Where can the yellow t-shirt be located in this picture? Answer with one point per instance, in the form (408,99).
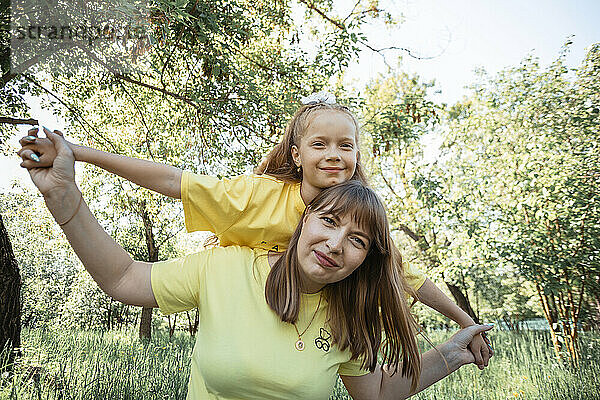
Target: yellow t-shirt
(257,211)
(243,350)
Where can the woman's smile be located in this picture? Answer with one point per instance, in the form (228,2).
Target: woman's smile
(330,248)
(324,260)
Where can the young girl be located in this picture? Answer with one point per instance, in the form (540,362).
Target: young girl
(319,149)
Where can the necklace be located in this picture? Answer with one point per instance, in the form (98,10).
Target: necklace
(299,345)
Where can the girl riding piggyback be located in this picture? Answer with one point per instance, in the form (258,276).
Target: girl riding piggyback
(320,148)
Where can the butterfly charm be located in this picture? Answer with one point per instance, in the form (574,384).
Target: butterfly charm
(322,342)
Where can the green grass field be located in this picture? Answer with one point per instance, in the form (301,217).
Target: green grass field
(115,365)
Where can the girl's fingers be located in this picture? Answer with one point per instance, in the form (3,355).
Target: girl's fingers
(488,343)
(485,352)
(30,159)
(33,159)
(478,358)
(42,147)
(28,154)
(29,139)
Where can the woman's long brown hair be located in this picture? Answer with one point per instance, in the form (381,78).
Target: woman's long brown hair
(279,162)
(367,303)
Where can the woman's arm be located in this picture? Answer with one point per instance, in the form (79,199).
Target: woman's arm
(161,178)
(435,365)
(111,267)
(430,295)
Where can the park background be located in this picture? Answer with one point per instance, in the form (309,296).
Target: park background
(480,129)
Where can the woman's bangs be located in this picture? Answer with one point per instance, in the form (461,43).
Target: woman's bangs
(362,206)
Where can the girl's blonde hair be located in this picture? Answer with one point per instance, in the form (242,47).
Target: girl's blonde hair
(368,305)
(279,162)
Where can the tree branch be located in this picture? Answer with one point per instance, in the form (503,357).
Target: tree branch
(126,78)
(311,6)
(413,235)
(77,115)
(18,121)
(139,110)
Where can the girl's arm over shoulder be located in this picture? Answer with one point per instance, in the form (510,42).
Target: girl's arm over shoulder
(435,365)
(430,295)
(161,178)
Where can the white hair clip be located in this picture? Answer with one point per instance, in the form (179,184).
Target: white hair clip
(319,97)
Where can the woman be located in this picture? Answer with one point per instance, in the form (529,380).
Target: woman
(328,299)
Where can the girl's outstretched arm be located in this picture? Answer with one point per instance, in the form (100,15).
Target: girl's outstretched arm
(435,365)
(432,296)
(161,178)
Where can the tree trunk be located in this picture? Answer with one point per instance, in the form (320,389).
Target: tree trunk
(10,298)
(172,326)
(145,332)
(550,317)
(193,325)
(596,322)
(461,300)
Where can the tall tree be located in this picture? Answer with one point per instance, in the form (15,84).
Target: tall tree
(10,297)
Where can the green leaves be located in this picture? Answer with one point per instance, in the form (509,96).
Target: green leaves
(530,149)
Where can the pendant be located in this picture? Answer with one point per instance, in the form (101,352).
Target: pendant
(299,345)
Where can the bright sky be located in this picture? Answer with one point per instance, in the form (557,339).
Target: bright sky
(462,35)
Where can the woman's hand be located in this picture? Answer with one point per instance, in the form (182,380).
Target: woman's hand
(59,175)
(435,364)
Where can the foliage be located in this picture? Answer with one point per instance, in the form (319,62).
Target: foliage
(209,88)
(211,84)
(46,262)
(525,148)
(401,121)
(56,290)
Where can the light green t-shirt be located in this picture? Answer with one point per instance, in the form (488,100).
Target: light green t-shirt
(243,350)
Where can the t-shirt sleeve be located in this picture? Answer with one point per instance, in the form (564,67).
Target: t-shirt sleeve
(213,204)
(177,283)
(414,276)
(352,368)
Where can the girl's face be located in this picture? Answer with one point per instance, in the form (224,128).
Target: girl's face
(330,248)
(327,152)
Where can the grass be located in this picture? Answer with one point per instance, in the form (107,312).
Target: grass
(115,365)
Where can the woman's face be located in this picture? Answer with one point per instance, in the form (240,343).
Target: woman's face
(330,248)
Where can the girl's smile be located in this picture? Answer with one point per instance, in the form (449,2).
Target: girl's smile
(327,152)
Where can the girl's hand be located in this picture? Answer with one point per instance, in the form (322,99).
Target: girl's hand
(37,152)
(481,350)
(458,344)
(61,172)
